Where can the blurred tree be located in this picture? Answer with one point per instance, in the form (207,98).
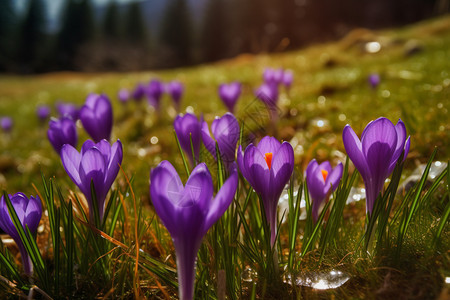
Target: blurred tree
(176,34)
(135,27)
(287,23)
(215,40)
(111,28)
(32,38)
(77,29)
(8,28)
(253,23)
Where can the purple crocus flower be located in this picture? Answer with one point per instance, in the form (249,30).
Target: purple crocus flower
(188,212)
(268,93)
(123,95)
(175,89)
(97,117)
(229,93)
(374,80)
(288,78)
(62,131)
(43,112)
(155,90)
(267,167)
(226,132)
(139,92)
(29,212)
(321,179)
(188,127)
(376,154)
(6,123)
(96,163)
(68,110)
(273,76)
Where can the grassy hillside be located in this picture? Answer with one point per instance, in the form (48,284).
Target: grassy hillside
(330,90)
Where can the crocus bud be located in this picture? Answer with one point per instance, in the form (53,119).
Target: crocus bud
(123,95)
(139,92)
(97,117)
(288,78)
(43,112)
(62,131)
(374,80)
(226,132)
(268,93)
(155,90)
(188,127)
(68,110)
(175,89)
(6,123)
(229,93)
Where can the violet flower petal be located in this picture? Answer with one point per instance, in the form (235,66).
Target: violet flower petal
(222,200)
(71,159)
(353,147)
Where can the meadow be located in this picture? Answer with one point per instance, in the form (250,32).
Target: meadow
(131,255)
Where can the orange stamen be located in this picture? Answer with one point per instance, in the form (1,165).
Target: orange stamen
(324,174)
(268,157)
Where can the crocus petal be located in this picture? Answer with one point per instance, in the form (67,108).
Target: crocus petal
(242,166)
(407,145)
(88,144)
(92,169)
(188,127)
(380,131)
(257,169)
(166,190)
(316,185)
(222,200)
(198,188)
(226,132)
(105,148)
(282,167)
(311,169)
(5,220)
(208,141)
(400,145)
(334,177)
(71,161)
(114,161)
(33,213)
(326,166)
(353,147)
(268,144)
